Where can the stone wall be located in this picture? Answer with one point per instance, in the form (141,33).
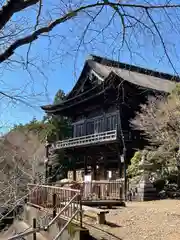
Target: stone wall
(142,189)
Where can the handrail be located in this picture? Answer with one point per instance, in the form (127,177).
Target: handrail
(62,210)
(89,135)
(38,229)
(86,139)
(68,222)
(55,187)
(17,236)
(106,181)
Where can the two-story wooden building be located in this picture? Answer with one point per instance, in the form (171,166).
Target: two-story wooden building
(106,96)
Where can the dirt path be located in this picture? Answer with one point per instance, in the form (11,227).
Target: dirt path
(157,220)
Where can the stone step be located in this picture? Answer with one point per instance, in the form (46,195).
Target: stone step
(73,229)
(20,227)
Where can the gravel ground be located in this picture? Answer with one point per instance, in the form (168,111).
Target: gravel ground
(146,220)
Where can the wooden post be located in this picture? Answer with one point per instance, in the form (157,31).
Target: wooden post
(74,169)
(54,205)
(85,165)
(125,175)
(101,218)
(121,192)
(105,173)
(119,165)
(94,169)
(74,174)
(49,178)
(121,174)
(34,227)
(105,167)
(81,210)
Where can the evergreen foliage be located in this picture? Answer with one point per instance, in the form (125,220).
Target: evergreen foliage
(59,97)
(59,128)
(133,168)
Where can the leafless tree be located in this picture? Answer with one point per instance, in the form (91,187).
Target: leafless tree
(159,120)
(22,159)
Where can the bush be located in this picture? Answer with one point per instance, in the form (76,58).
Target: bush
(133,169)
(171,187)
(159,184)
(172,178)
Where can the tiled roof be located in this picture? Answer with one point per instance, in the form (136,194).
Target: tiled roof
(140,79)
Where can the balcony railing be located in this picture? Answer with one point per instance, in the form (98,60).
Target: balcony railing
(86,140)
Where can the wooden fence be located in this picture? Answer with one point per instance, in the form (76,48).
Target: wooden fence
(101,190)
(98,190)
(57,199)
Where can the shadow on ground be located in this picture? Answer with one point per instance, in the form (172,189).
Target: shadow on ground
(113,225)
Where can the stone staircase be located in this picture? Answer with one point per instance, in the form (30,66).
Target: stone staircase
(25,223)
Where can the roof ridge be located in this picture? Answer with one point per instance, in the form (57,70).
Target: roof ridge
(134,68)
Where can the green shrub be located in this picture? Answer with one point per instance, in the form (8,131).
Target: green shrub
(133,168)
(159,184)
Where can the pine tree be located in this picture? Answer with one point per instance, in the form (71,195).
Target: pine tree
(59,129)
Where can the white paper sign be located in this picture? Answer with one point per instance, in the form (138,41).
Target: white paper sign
(110,174)
(87,178)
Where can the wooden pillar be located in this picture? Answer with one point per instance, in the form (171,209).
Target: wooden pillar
(74,174)
(94,169)
(119,166)
(74,168)
(125,174)
(122,172)
(105,166)
(34,228)
(85,166)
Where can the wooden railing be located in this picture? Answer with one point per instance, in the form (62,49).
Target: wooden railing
(86,140)
(102,190)
(63,201)
(99,190)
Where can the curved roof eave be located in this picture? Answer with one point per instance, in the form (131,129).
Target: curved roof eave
(52,108)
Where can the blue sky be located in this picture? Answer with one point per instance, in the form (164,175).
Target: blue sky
(57,65)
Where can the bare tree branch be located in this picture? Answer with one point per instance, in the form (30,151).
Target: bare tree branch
(35,27)
(12,7)
(162,41)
